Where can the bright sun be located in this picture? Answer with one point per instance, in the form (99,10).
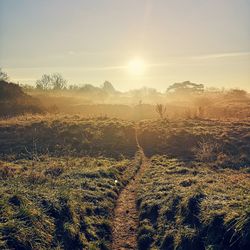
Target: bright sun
(136,66)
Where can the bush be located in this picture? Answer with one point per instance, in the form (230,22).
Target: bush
(14,101)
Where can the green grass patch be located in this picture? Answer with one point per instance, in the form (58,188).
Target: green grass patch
(60,203)
(190,205)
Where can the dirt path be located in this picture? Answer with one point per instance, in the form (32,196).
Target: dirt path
(125,222)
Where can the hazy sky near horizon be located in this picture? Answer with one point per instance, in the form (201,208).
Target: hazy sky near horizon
(90,41)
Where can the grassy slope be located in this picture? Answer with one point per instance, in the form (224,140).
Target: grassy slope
(60,202)
(13,101)
(197,198)
(193,206)
(57,188)
(66,135)
(228,141)
(57,180)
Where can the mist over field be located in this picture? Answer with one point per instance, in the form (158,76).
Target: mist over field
(52,94)
(125,125)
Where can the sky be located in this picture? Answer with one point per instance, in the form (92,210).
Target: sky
(131,43)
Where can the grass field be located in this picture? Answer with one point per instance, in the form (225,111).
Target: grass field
(61,176)
(224,143)
(58,135)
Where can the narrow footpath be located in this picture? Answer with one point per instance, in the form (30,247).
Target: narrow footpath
(126,220)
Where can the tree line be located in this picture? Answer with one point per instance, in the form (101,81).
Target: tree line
(56,81)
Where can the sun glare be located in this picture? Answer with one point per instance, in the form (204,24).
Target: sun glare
(136,66)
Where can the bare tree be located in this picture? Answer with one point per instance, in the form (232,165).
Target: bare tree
(58,82)
(161,110)
(44,83)
(3,76)
(54,81)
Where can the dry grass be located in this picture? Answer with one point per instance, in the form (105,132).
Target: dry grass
(193,206)
(226,142)
(29,136)
(60,203)
(58,189)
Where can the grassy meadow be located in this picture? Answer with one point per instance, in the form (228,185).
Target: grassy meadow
(224,143)
(66,135)
(62,174)
(61,177)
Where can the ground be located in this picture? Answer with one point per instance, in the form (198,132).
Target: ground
(69,182)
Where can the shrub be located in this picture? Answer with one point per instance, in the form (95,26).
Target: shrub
(206,151)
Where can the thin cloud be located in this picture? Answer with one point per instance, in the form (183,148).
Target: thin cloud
(172,61)
(222,55)
(104,68)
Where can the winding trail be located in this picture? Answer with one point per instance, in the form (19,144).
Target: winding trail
(126,219)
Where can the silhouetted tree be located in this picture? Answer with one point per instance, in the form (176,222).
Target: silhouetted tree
(108,87)
(54,81)
(58,82)
(88,88)
(74,87)
(3,76)
(186,87)
(237,93)
(44,83)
